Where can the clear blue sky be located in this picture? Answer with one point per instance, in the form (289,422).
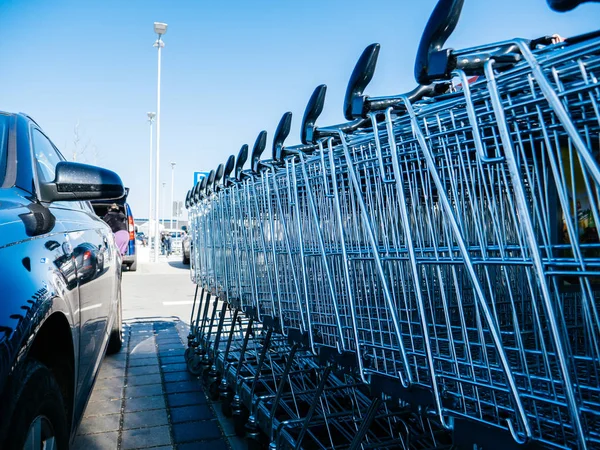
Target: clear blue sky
(230,68)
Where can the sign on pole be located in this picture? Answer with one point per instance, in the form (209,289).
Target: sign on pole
(198,177)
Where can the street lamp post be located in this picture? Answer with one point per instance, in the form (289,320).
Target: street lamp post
(151,117)
(172,184)
(162,196)
(159,29)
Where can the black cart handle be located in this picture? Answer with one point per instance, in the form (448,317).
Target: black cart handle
(440,26)
(257,150)
(313,110)
(229,166)
(240,161)
(567,5)
(281,133)
(360,78)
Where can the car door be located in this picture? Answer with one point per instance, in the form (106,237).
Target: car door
(91,246)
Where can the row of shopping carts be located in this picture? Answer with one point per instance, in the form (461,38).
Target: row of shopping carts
(426,275)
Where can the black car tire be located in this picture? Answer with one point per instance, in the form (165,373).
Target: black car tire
(133,266)
(116,335)
(186,259)
(37,394)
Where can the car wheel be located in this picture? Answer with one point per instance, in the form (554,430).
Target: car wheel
(116,336)
(186,259)
(39,420)
(133,266)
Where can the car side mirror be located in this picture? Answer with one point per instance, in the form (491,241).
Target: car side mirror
(75,181)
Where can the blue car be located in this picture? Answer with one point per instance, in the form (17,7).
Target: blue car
(60,278)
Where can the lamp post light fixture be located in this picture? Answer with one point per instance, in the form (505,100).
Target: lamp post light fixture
(160,29)
(151,116)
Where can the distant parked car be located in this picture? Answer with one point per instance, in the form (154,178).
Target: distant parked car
(90,260)
(101,208)
(60,278)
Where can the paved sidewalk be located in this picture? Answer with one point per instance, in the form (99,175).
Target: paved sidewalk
(145,398)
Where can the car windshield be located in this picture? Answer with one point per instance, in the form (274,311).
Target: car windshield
(3,143)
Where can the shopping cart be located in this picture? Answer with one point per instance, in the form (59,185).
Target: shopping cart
(436,259)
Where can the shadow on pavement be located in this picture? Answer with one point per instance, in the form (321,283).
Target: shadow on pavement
(179,265)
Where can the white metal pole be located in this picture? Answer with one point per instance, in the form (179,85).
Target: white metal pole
(172,184)
(162,203)
(150,185)
(160,45)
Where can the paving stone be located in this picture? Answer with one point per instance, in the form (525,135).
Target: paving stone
(100,441)
(144,419)
(172,352)
(186,399)
(147,346)
(99,424)
(111,372)
(116,358)
(169,339)
(166,344)
(107,393)
(106,383)
(142,370)
(102,408)
(144,362)
(144,390)
(114,363)
(178,376)
(219,444)
(172,360)
(145,351)
(142,355)
(166,368)
(196,431)
(168,334)
(183,386)
(145,437)
(191,413)
(144,403)
(137,380)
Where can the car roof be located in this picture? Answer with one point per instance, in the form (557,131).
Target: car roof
(22,114)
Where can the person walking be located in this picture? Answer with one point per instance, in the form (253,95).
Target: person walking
(168,243)
(117,221)
(163,243)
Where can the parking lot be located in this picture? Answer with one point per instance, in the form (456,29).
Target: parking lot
(144,397)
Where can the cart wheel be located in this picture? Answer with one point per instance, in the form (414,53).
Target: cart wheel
(239,424)
(225,397)
(240,415)
(213,391)
(256,440)
(189,352)
(206,366)
(226,408)
(194,367)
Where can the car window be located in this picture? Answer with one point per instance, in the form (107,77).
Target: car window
(46,159)
(3,142)
(46,156)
